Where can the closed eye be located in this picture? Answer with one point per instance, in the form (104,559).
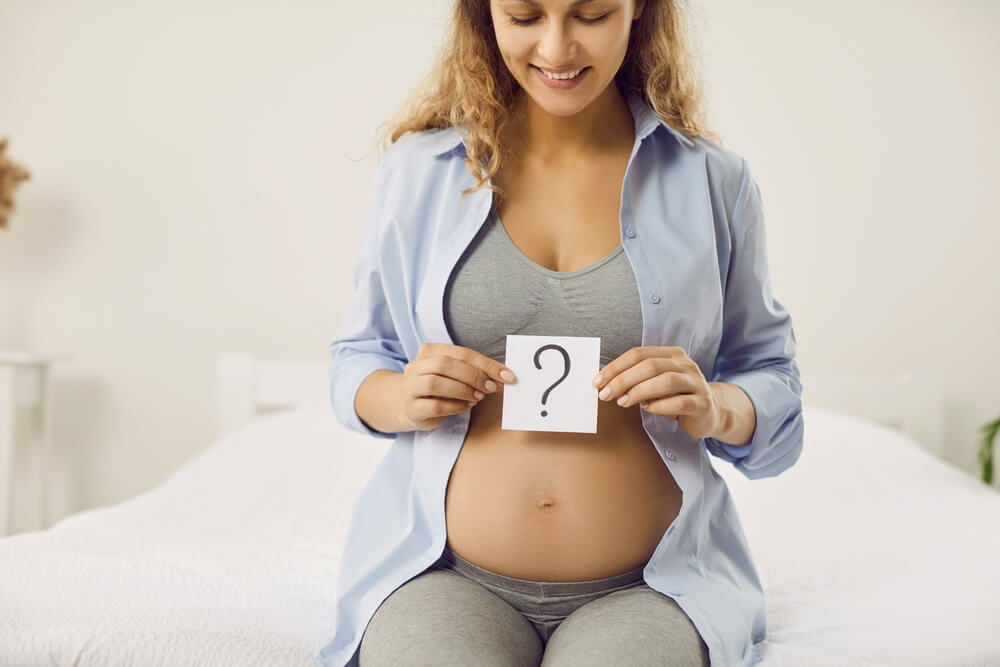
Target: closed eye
(517,21)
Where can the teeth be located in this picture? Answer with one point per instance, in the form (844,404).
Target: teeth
(567,75)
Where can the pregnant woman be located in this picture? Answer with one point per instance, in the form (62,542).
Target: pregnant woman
(554,179)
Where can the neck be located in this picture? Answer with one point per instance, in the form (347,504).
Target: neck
(605,125)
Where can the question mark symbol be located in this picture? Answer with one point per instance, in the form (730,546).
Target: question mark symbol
(538,365)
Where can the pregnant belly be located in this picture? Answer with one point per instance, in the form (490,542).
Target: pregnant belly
(553,506)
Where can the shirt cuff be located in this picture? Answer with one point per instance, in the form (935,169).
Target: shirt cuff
(346,376)
(754,384)
(778,435)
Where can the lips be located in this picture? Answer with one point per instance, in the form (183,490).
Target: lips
(544,71)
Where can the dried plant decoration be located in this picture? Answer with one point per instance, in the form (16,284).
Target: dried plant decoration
(11,174)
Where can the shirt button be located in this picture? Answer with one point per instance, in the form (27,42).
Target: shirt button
(676,593)
(655,298)
(670,530)
(629,232)
(670,455)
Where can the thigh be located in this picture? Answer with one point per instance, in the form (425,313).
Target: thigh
(441,618)
(637,626)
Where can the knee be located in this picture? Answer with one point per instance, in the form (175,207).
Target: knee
(441,618)
(636,626)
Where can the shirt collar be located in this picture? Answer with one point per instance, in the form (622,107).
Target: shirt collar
(646,120)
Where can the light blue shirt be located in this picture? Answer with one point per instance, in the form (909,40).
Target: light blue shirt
(692,225)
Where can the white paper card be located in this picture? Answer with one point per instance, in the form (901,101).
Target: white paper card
(552,389)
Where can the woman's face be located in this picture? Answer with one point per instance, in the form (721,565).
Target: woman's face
(563,35)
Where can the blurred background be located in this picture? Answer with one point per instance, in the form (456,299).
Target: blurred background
(200,172)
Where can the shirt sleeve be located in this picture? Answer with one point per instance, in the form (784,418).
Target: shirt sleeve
(758,347)
(368,342)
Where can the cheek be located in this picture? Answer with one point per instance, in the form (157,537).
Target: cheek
(614,45)
(516,51)
(515,46)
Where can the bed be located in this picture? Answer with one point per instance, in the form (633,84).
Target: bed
(871,549)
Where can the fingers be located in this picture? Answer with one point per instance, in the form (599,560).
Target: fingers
(613,388)
(489,367)
(636,385)
(432,408)
(447,379)
(469,366)
(674,406)
(438,386)
(634,356)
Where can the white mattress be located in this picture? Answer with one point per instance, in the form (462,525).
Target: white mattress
(871,552)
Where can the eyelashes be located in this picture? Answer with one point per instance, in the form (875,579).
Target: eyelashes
(517,21)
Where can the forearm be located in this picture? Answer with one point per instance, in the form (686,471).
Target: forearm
(739,420)
(376,401)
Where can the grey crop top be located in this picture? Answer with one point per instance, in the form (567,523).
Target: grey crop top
(497,290)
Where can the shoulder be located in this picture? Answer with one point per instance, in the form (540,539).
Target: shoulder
(412,160)
(416,178)
(422,146)
(723,172)
(726,170)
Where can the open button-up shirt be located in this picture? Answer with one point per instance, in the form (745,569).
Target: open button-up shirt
(692,226)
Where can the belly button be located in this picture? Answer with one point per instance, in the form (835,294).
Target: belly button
(546,504)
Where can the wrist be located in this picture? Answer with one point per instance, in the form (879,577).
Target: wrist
(738,418)
(395,389)
(376,401)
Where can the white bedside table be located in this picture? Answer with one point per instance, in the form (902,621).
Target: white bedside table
(24,383)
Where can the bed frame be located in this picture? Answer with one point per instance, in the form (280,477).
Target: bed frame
(910,403)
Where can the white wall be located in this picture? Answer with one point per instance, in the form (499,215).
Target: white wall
(200,172)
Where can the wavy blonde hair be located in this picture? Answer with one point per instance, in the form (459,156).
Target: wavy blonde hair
(470,88)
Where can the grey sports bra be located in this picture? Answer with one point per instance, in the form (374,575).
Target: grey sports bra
(497,290)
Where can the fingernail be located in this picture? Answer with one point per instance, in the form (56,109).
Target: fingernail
(605,393)
(623,400)
(490,385)
(478,394)
(598,379)
(507,375)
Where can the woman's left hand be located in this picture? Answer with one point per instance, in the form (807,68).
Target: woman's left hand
(664,381)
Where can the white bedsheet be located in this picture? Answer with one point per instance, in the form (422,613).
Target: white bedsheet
(871,552)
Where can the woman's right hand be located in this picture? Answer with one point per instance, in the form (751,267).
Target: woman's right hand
(446,379)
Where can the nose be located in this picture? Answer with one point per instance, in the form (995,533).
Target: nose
(556,45)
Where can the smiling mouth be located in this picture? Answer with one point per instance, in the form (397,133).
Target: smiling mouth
(562,76)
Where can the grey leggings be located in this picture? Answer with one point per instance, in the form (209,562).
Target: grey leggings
(456,613)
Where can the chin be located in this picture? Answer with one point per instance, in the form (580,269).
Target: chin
(562,109)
